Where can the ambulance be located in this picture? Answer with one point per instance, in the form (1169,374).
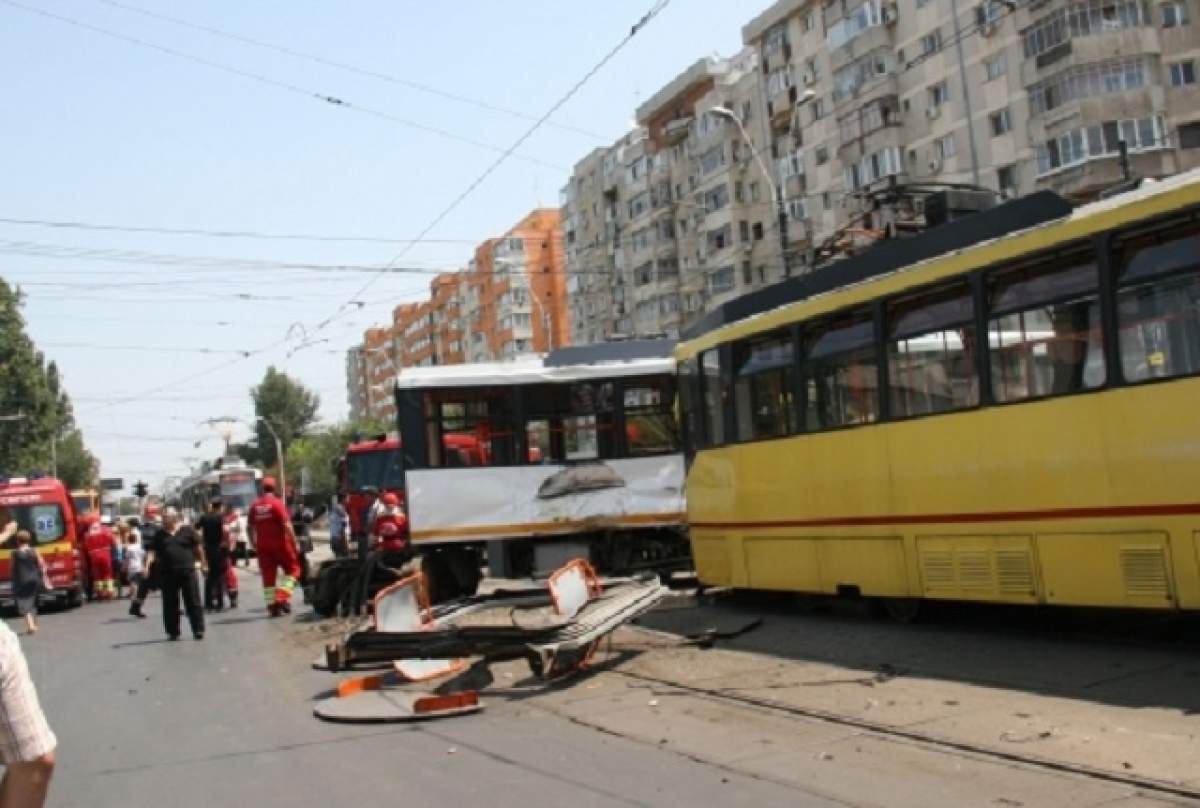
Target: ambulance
(43,506)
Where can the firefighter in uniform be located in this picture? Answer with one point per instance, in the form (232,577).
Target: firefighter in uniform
(275,543)
(391,526)
(98,543)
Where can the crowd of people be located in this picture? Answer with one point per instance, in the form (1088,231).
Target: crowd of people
(163,552)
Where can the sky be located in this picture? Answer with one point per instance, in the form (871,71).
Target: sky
(149,124)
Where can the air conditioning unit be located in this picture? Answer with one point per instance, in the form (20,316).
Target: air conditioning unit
(935,164)
(889,14)
(747,248)
(933,111)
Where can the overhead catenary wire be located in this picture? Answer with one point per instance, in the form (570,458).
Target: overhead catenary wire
(638,26)
(349,68)
(222,233)
(326,98)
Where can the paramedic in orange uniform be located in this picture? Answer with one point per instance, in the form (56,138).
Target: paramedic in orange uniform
(98,542)
(275,543)
(391,526)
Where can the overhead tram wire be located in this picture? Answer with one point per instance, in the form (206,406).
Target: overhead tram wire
(638,26)
(228,234)
(375,74)
(316,95)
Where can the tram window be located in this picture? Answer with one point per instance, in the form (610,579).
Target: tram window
(841,372)
(1044,329)
(649,423)
(764,369)
(931,352)
(569,422)
(1158,307)
(477,423)
(689,371)
(714,399)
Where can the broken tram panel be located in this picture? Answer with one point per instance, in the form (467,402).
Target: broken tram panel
(539,460)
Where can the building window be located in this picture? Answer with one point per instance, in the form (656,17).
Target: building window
(1006,180)
(1082,19)
(995,66)
(938,94)
(719,239)
(1079,145)
(757,229)
(1174,14)
(1001,122)
(1189,136)
(754,192)
(764,374)
(931,42)
(945,147)
(712,159)
(744,231)
(822,155)
(808,22)
(716,198)
(827,200)
(1183,73)
(1085,81)
(747,273)
(722,280)
(931,361)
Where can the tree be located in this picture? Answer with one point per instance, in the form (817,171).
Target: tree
(288,405)
(318,452)
(33,388)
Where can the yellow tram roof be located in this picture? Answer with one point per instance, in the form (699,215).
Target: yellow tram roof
(1152,199)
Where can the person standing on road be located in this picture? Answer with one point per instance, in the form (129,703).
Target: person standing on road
(149,580)
(134,562)
(212,528)
(177,551)
(29,577)
(99,545)
(275,542)
(338,523)
(26,742)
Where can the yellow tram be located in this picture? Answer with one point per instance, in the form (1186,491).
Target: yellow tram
(1005,409)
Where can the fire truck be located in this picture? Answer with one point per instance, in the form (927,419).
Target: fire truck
(44,508)
(373,463)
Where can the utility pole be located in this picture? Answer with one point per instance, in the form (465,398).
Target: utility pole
(966,91)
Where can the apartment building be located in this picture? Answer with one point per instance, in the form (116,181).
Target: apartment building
(356,382)
(1011,96)
(510,300)
(678,215)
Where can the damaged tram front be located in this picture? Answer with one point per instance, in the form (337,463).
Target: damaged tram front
(578,456)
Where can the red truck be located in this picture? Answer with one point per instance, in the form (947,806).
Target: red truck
(44,508)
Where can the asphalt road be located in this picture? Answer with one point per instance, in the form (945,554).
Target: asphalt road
(227,722)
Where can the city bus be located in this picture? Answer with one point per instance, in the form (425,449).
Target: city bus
(544,459)
(1003,409)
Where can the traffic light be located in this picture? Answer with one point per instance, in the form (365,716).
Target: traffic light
(140,489)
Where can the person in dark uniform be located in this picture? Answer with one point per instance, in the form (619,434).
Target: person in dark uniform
(176,551)
(212,529)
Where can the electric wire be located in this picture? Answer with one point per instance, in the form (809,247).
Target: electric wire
(221,233)
(317,95)
(375,74)
(645,20)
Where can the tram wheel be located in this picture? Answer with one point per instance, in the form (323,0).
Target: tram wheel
(902,610)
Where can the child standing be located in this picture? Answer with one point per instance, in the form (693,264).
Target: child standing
(134,563)
(29,577)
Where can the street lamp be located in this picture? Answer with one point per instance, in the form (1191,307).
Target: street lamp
(278,454)
(776,191)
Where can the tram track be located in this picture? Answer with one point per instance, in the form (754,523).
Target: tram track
(727,696)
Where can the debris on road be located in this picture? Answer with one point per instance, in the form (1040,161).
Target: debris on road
(555,628)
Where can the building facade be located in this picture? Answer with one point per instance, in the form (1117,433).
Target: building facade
(511,300)
(1016,97)
(858,108)
(677,216)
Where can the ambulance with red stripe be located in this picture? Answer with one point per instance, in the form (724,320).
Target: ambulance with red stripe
(43,506)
